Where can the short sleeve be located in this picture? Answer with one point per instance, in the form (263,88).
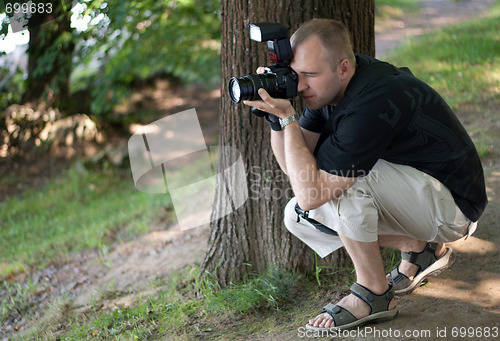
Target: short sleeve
(313,120)
(356,145)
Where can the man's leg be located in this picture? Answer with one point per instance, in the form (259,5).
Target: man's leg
(323,244)
(392,199)
(369,273)
(408,244)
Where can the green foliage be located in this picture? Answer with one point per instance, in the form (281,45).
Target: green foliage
(83,209)
(12,86)
(4,27)
(132,39)
(47,61)
(462,62)
(50,50)
(138,39)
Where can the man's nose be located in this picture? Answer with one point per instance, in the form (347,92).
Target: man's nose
(302,85)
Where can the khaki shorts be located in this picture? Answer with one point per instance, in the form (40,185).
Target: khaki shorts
(391,200)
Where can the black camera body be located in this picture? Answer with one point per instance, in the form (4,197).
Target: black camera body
(279,80)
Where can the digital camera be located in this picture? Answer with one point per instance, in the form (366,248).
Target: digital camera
(279,80)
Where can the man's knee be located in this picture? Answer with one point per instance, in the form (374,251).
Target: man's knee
(290,216)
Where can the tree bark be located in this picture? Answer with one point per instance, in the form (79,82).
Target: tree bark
(253,238)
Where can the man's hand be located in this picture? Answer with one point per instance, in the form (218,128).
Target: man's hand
(276,106)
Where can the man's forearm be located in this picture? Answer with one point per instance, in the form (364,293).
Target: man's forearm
(311,185)
(278,146)
(302,168)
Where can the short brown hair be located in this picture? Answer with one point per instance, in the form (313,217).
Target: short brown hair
(332,34)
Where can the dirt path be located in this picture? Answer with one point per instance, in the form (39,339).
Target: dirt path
(391,33)
(466,296)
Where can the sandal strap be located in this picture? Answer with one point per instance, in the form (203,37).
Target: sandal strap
(340,316)
(421,259)
(398,277)
(377,303)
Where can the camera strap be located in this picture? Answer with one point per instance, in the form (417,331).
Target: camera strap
(305,215)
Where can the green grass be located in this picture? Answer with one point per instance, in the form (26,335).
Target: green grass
(182,308)
(16,298)
(462,62)
(485,150)
(80,210)
(396,8)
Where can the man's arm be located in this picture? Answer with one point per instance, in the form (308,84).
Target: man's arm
(277,144)
(312,186)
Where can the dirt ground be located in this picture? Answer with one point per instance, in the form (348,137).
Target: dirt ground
(467,295)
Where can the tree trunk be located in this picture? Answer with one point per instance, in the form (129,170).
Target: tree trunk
(50,53)
(253,238)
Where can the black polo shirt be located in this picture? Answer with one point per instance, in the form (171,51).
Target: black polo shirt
(392,115)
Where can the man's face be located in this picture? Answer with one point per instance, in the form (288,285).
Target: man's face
(318,84)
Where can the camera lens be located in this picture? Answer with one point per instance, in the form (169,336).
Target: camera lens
(245,88)
(234,90)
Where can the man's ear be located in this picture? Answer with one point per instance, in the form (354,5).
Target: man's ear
(344,68)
